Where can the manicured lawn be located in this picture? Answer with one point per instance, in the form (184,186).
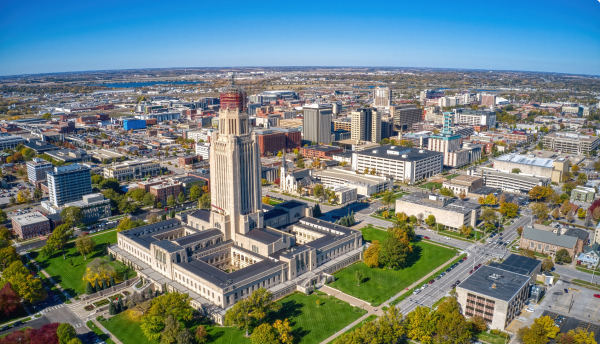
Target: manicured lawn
(452,176)
(379,285)
(371,233)
(311,324)
(70,277)
(430,184)
(491,338)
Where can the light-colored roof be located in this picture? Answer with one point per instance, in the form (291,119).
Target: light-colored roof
(526,160)
(29,219)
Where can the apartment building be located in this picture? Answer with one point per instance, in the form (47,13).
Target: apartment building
(31,225)
(366,125)
(317,123)
(68,184)
(405,116)
(37,168)
(162,191)
(10,141)
(320,151)
(475,117)
(571,143)
(507,181)
(404,164)
(382,97)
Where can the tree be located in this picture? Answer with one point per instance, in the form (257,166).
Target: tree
(204,202)
(72,216)
(97,179)
(581,336)
(317,211)
(547,264)
(488,216)
(319,191)
(89,289)
(563,256)
(201,334)
(393,251)
(10,301)
(65,333)
(388,198)
(57,240)
(548,324)
(123,224)
(111,183)
(516,170)
(98,270)
(38,194)
(137,194)
(23,282)
(540,210)
(371,256)
(153,218)
(420,324)
(112,309)
(48,116)
(581,213)
(85,245)
(540,192)
(358,276)
(195,192)
(451,326)
(264,334)
(8,255)
(509,209)
(555,213)
(491,199)
(284,331)
(465,230)
(184,337)
(239,315)
(462,195)
(149,199)
(479,324)
(446,192)
(181,197)
(127,207)
(3,216)
(430,220)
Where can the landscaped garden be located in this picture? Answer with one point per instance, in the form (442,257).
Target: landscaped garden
(380,284)
(69,272)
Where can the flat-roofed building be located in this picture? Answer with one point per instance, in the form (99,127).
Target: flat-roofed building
(499,291)
(100,155)
(31,225)
(316,125)
(449,212)
(70,156)
(365,185)
(419,139)
(10,141)
(507,181)
(130,170)
(531,165)
(37,168)
(571,143)
(404,164)
(583,194)
(404,116)
(94,207)
(475,117)
(463,184)
(320,151)
(366,125)
(68,183)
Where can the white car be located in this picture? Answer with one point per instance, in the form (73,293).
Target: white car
(416,291)
(530,310)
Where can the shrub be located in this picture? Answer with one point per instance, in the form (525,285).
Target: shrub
(88,307)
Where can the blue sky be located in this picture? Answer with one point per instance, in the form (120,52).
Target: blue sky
(58,36)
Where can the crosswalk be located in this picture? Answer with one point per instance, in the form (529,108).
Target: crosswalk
(53,308)
(78,325)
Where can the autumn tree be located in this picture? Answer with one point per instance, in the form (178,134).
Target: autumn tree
(509,209)
(23,282)
(547,264)
(8,255)
(540,210)
(371,256)
(85,245)
(10,301)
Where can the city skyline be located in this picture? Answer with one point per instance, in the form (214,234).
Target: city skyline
(84,37)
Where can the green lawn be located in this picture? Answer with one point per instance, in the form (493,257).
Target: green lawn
(310,324)
(430,184)
(379,285)
(491,338)
(371,233)
(70,277)
(452,176)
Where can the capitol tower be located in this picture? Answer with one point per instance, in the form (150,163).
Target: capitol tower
(236,202)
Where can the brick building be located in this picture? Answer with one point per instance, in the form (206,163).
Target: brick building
(322,152)
(276,139)
(163,191)
(31,225)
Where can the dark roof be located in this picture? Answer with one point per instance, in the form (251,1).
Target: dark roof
(323,148)
(192,238)
(188,179)
(579,233)
(399,153)
(484,190)
(203,215)
(518,264)
(220,278)
(262,236)
(274,213)
(290,204)
(495,283)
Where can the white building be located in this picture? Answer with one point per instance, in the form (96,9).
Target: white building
(382,97)
(203,150)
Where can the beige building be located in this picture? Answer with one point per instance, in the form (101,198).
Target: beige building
(344,194)
(449,212)
(130,170)
(382,97)
(464,184)
(506,181)
(366,125)
(364,184)
(571,143)
(529,165)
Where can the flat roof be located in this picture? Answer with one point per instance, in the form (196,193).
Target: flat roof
(192,238)
(495,283)
(29,218)
(399,153)
(323,148)
(518,264)
(526,160)
(456,205)
(352,178)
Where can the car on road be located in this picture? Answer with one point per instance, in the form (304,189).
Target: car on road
(457,282)
(597,295)
(4,328)
(465,258)
(431,281)
(442,274)
(416,291)
(438,277)
(470,272)
(18,323)
(426,237)
(530,310)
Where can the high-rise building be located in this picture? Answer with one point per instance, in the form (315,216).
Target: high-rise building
(382,97)
(366,125)
(432,94)
(317,123)
(488,99)
(69,184)
(37,168)
(233,97)
(405,116)
(235,176)
(449,144)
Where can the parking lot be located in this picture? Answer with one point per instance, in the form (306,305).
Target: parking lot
(574,301)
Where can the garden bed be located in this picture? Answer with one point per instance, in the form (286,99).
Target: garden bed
(89,308)
(115,297)
(101,303)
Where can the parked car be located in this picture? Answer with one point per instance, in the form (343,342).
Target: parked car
(530,310)
(426,237)
(431,281)
(18,323)
(470,272)
(597,295)
(4,328)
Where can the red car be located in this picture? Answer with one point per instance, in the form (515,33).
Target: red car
(476,267)
(431,282)
(597,295)
(470,272)
(465,258)
(479,265)
(426,237)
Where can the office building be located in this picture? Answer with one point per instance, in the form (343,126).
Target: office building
(382,97)
(364,184)
(498,292)
(320,151)
(407,165)
(163,191)
(10,141)
(530,165)
(405,116)
(571,143)
(475,117)
(366,125)
(70,156)
(40,147)
(37,168)
(419,140)
(68,184)
(488,100)
(449,144)
(431,94)
(133,124)
(31,225)
(276,139)
(316,124)
(130,170)
(507,181)
(203,150)
(449,212)
(93,206)
(463,184)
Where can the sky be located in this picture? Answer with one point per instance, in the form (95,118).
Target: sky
(529,35)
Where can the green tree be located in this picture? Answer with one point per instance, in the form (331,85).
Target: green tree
(184,337)
(204,201)
(446,192)
(3,216)
(319,191)
(195,192)
(563,256)
(137,194)
(488,216)
(181,197)
(97,179)
(239,315)
(149,200)
(89,289)
(65,333)
(317,211)
(112,184)
(393,252)
(264,334)
(8,255)
(358,276)
(430,220)
(516,170)
(38,194)
(23,282)
(171,330)
(57,240)
(388,198)
(48,116)
(170,201)
(85,245)
(547,264)
(72,216)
